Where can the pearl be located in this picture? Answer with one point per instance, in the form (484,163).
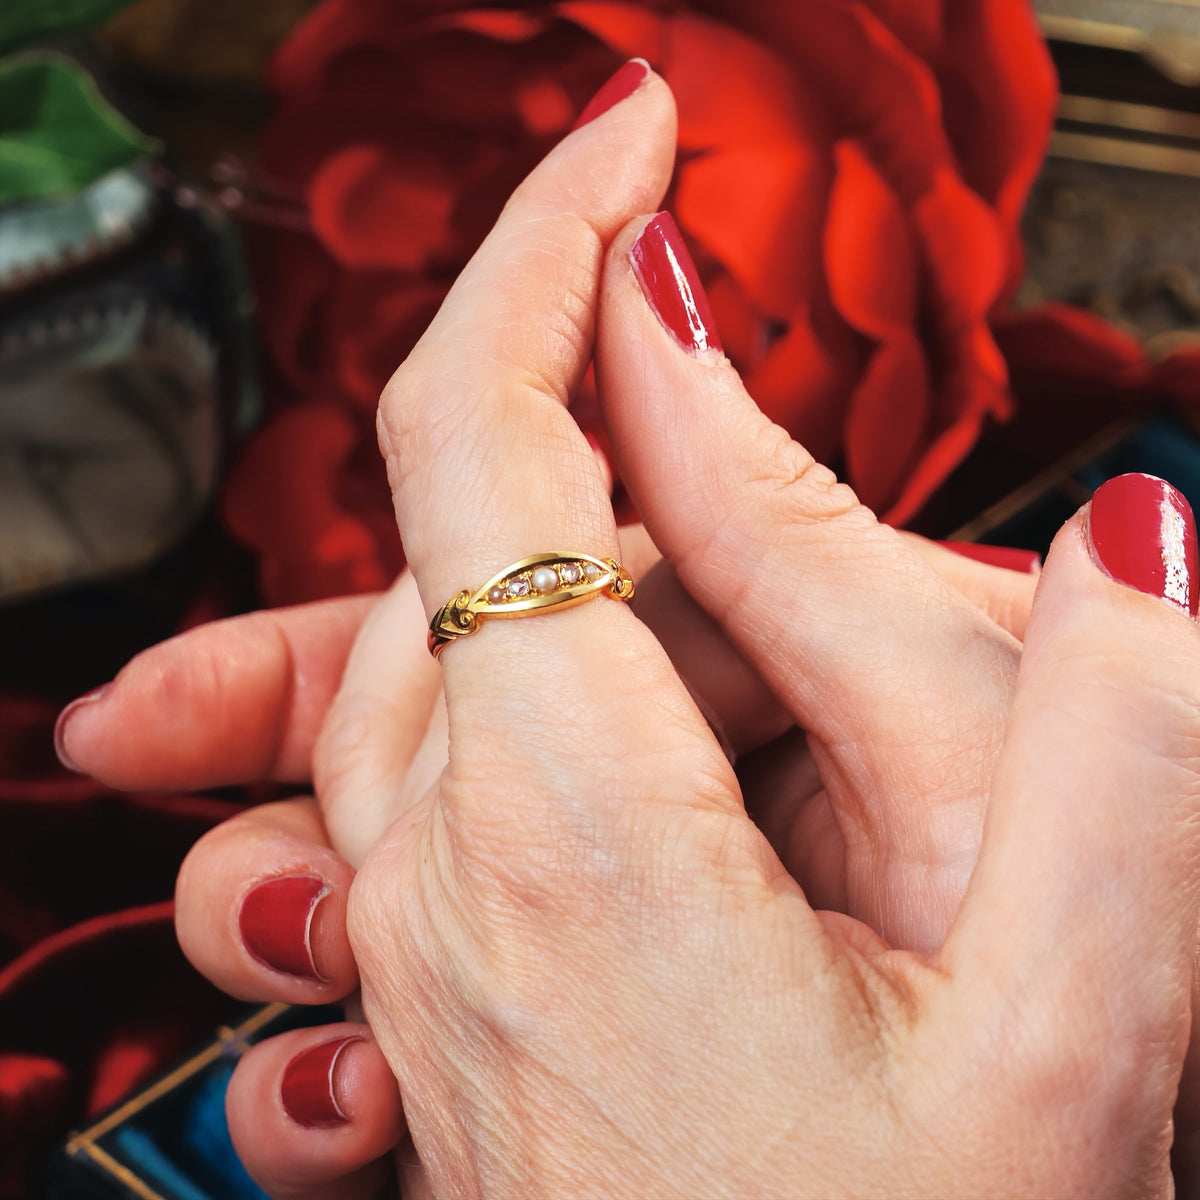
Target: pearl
(496,595)
(592,572)
(544,579)
(518,587)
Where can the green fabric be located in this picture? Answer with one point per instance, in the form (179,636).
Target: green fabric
(23,20)
(57,133)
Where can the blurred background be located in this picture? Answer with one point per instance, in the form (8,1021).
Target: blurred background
(954,247)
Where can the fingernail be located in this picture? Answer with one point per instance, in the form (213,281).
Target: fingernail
(624,83)
(64,718)
(276,924)
(308,1087)
(1142,533)
(669,281)
(1028,562)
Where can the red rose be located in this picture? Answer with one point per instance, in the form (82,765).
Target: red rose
(850,178)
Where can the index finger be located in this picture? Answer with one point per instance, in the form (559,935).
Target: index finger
(487,466)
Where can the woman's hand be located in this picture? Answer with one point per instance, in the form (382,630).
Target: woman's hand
(586,966)
(587,839)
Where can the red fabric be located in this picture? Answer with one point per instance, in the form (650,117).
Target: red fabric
(95,996)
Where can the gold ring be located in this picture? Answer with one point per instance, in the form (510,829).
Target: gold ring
(532,585)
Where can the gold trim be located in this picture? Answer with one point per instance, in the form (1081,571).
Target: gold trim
(1092,33)
(87,1138)
(1174,55)
(1117,152)
(1118,114)
(138,1186)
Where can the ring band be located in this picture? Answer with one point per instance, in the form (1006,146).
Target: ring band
(533,585)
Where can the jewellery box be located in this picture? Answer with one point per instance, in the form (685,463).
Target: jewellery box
(170,1141)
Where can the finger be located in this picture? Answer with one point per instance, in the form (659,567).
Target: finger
(483,458)
(231,702)
(1002,589)
(260,907)
(743,712)
(384,732)
(842,619)
(487,466)
(381,747)
(740,709)
(1011,558)
(313,1114)
(1086,894)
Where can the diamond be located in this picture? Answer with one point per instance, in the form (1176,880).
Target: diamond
(571,573)
(518,587)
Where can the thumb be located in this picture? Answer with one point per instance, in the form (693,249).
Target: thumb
(1071,956)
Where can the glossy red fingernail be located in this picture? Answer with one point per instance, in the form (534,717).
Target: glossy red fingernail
(1142,533)
(64,717)
(624,83)
(308,1087)
(1028,562)
(276,923)
(669,281)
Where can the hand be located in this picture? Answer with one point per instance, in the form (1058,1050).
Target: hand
(585,844)
(841,679)
(587,968)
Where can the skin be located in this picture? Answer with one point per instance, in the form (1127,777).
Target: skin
(587,966)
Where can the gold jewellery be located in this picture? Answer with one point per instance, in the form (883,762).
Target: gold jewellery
(535,584)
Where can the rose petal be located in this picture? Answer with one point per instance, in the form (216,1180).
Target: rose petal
(629,29)
(964,248)
(758,210)
(294,280)
(374,207)
(870,258)
(1071,343)
(282,501)
(373,322)
(1000,91)
(301,59)
(806,377)
(936,463)
(745,332)
(917,23)
(873,88)
(887,420)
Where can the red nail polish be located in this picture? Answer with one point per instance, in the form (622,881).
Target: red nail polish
(1028,562)
(1142,533)
(308,1087)
(669,281)
(276,922)
(624,83)
(60,726)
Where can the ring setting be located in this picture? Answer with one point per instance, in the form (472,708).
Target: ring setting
(537,584)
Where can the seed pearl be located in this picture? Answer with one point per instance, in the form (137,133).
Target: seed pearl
(495,595)
(592,572)
(544,579)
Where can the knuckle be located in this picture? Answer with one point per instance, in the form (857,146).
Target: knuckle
(787,501)
(471,365)
(786,490)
